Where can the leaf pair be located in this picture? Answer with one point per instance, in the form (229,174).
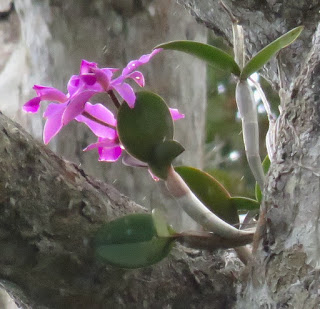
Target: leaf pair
(146,132)
(140,240)
(221,60)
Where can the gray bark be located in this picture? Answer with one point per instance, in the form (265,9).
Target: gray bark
(56,35)
(49,211)
(284,273)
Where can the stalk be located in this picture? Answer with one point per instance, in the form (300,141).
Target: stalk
(199,212)
(250,129)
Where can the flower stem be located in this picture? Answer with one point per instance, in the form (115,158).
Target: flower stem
(89,116)
(114,99)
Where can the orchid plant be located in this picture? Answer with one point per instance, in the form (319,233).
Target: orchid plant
(142,130)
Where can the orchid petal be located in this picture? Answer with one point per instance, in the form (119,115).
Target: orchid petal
(137,77)
(103,77)
(154,177)
(111,154)
(73,84)
(92,146)
(32,106)
(102,142)
(50,94)
(112,70)
(109,150)
(97,129)
(126,92)
(86,66)
(53,124)
(146,58)
(76,106)
(175,114)
(134,64)
(89,79)
(101,113)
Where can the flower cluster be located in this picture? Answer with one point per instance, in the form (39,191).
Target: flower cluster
(63,108)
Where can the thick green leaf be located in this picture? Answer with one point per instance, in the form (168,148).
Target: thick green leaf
(167,151)
(164,153)
(210,192)
(245,203)
(131,228)
(160,223)
(258,193)
(212,55)
(131,242)
(136,255)
(145,126)
(230,179)
(264,55)
(265,166)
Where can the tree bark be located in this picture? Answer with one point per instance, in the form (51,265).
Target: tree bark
(284,273)
(49,212)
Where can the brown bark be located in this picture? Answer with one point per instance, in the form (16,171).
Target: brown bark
(284,272)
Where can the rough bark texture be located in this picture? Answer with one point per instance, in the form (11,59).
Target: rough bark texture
(56,35)
(284,273)
(49,211)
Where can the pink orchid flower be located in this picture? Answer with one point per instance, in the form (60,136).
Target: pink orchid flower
(93,75)
(75,105)
(69,105)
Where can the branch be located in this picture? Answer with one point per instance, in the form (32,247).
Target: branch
(50,209)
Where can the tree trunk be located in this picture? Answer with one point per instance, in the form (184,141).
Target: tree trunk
(284,273)
(56,35)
